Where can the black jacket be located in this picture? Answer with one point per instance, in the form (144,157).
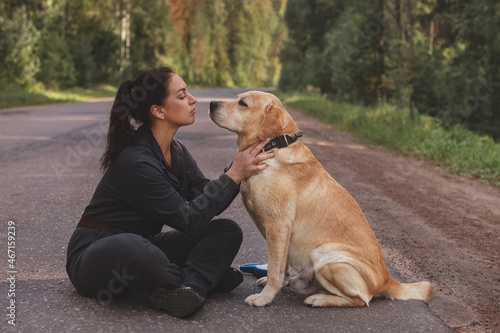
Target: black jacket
(140,192)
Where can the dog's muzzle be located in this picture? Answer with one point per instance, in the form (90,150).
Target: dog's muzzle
(214,115)
(213,106)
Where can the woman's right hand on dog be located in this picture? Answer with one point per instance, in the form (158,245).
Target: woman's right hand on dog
(249,162)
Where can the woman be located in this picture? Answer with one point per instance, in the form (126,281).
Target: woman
(150,180)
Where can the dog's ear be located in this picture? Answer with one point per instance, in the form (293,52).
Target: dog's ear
(274,122)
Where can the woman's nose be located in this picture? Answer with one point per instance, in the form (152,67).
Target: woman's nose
(193,99)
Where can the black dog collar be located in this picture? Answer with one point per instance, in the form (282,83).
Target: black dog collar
(281,141)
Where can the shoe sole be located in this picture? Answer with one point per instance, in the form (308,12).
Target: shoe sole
(180,302)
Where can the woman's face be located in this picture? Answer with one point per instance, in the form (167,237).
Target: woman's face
(179,104)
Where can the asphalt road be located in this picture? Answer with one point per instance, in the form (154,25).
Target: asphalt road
(49,169)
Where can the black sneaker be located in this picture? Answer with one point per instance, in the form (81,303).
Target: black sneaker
(232,279)
(181,302)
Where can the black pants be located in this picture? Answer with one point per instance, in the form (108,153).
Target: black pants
(103,265)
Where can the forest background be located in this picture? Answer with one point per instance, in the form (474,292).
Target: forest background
(441,57)
(435,62)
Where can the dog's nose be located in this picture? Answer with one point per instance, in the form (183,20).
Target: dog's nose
(213,105)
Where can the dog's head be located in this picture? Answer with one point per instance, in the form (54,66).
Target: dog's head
(254,116)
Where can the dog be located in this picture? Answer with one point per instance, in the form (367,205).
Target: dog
(309,221)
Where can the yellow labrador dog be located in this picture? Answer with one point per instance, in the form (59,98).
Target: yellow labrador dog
(309,221)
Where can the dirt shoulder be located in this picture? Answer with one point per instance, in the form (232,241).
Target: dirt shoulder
(431,225)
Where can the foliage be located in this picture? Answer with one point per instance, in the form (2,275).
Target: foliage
(63,43)
(19,61)
(439,57)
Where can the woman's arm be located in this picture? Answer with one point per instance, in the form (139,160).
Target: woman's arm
(145,189)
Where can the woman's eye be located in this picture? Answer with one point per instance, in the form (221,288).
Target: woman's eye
(241,103)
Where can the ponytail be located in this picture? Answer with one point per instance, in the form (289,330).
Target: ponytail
(132,106)
(121,132)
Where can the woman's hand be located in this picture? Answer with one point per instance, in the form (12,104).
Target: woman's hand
(249,162)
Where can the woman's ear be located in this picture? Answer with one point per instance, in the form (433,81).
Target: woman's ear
(158,111)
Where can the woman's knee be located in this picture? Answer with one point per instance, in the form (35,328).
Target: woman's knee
(128,261)
(230,227)
(136,252)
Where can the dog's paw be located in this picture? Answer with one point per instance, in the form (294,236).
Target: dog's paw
(316,301)
(262,281)
(257,300)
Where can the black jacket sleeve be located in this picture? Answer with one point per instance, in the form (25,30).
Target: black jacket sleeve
(149,193)
(196,180)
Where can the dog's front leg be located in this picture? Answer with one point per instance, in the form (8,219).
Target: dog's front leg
(278,238)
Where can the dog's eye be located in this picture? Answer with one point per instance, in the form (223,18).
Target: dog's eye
(241,103)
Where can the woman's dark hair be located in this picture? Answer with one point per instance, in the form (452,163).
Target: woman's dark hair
(132,107)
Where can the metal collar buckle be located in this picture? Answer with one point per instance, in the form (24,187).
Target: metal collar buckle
(281,141)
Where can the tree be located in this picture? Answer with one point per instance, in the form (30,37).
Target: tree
(19,61)
(441,57)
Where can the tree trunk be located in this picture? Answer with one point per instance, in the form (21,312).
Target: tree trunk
(66,19)
(431,36)
(409,24)
(127,39)
(381,54)
(399,34)
(125,35)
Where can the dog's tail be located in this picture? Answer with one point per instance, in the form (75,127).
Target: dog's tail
(397,290)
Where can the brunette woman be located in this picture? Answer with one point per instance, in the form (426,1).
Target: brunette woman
(150,180)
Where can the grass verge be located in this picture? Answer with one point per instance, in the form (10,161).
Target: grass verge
(457,149)
(13,97)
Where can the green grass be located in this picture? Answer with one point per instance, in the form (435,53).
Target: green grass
(459,150)
(12,97)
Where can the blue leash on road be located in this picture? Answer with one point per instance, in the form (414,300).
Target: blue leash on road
(257,269)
